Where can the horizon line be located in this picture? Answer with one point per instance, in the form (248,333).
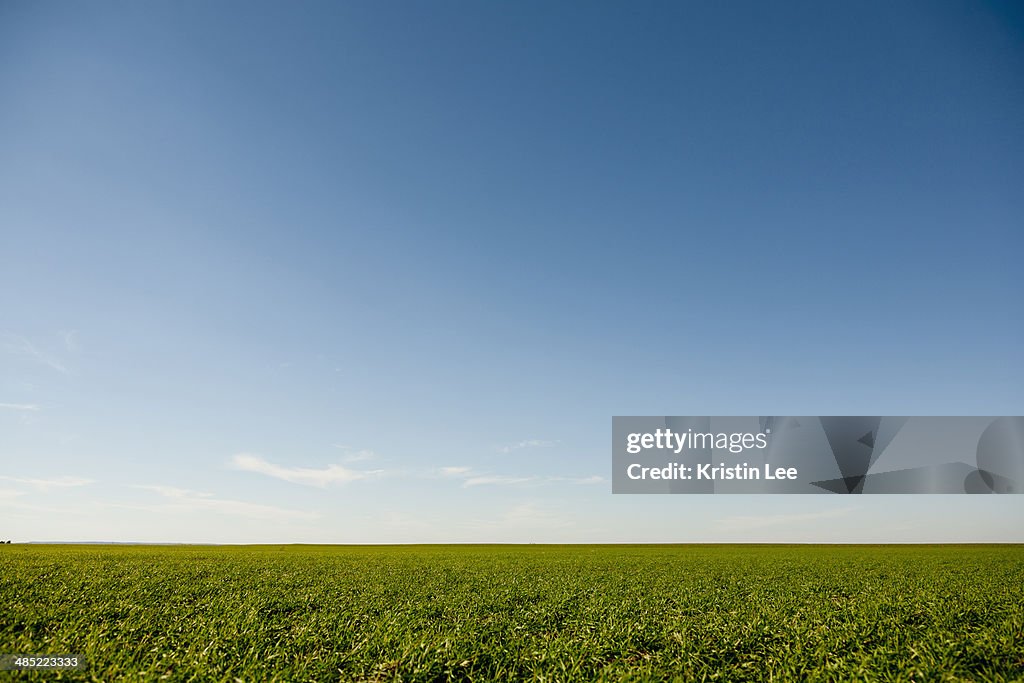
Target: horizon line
(528,543)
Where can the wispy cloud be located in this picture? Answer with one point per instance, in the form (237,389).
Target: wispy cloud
(184,500)
(351,455)
(20,346)
(331,474)
(171,491)
(495,479)
(70,338)
(528,443)
(594,479)
(471,478)
(13,502)
(748,522)
(19,406)
(47,484)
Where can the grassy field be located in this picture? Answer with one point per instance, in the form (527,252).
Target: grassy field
(491,613)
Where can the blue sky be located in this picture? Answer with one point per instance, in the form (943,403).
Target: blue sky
(382,272)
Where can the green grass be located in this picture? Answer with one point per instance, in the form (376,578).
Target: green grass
(491,613)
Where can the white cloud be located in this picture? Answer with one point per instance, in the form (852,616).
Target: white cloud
(13,501)
(471,478)
(356,455)
(750,522)
(184,500)
(18,345)
(70,338)
(493,479)
(528,443)
(19,406)
(171,491)
(331,474)
(47,484)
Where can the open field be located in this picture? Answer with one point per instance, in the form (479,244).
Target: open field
(483,613)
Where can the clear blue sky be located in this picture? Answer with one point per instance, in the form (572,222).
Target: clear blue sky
(361,271)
